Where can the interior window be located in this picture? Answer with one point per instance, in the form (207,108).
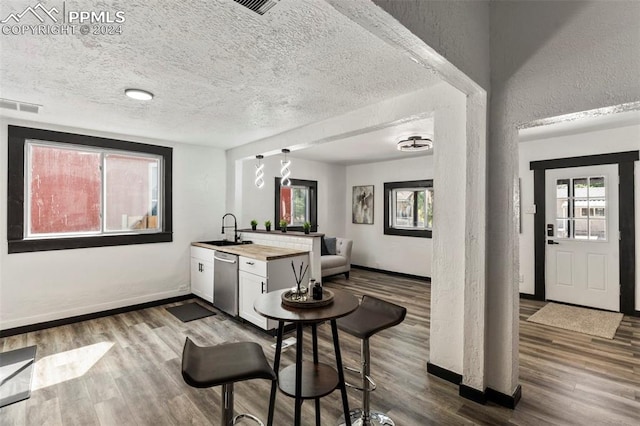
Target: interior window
(74,191)
(409,208)
(296,204)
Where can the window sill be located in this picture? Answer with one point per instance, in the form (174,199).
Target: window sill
(28,246)
(426,233)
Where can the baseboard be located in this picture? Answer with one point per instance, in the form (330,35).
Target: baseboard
(508,401)
(89,308)
(397,274)
(528,296)
(90,316)
(636,313)
(472,394)
(443,373)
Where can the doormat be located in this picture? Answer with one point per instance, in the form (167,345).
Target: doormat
(583,320)
(16,373)
(190,311)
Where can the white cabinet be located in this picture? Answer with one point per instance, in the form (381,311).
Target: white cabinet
(202,273)
(257,277)
(250,287)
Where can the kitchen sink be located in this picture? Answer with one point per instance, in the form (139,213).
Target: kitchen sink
(224,243)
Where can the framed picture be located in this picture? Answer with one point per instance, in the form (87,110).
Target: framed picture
(362,205)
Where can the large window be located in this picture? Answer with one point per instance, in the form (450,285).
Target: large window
(581,208)
(296,204)
(408,208)
(72,191)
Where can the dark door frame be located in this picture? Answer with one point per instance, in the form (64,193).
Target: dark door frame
(626,212)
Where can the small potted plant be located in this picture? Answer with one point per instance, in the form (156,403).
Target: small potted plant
(254,224)
(283,225)
(267,225)
(307,227)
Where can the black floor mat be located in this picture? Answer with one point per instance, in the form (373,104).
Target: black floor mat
(16,372)
(190,311)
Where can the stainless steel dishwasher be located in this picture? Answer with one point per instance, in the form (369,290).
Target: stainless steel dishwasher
(225,282)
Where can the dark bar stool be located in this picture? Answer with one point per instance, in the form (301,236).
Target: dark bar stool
(373,315)
(225,364)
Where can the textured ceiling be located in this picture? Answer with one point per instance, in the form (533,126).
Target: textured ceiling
(369,147)
(222,75)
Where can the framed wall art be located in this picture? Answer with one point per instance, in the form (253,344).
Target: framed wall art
(362,205)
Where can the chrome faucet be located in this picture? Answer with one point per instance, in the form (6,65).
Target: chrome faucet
(235,226)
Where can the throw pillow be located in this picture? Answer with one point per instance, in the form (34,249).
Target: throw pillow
(331,244)
(323,247)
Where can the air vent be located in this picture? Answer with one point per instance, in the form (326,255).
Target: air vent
(7,104)
(258,6)
(21,106)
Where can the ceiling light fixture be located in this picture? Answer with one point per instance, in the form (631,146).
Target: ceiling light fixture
(259,172)
(284,169)
(415,143)
(139,94)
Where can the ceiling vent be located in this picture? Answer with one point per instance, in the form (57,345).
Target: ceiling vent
(19,106)
(258,6)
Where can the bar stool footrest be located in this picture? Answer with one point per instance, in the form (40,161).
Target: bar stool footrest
(375,419)
(239,417)
(360,388)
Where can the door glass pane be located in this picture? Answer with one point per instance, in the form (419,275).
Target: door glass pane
(130,192)
(580,189)
(562,188)
(596,187)
(562,207)
(562,228)
(64,190)
(580,209)
(597,229)
(597,207)
(581,229)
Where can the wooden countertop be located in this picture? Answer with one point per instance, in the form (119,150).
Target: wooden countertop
(255,251)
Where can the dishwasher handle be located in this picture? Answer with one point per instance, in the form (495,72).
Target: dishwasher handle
(223,260)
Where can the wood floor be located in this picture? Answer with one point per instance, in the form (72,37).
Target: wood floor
(125,370)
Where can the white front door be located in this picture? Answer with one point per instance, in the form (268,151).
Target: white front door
(582,251)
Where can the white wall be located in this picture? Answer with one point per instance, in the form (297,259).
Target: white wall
(258,203)
(457,30)
(370,246)
(43,286)
(591,143)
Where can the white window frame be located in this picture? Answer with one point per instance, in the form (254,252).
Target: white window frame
(104,152)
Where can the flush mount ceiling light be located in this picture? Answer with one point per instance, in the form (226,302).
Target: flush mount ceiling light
(284,169)
(415,143)
(139,94)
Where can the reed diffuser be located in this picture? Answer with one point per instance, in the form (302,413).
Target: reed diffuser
(299,291)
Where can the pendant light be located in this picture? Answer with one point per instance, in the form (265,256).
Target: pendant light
(259,172)
(284,169)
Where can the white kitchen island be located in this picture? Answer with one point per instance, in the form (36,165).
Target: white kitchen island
(261,269)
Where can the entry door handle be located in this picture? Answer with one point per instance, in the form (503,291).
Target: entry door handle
(551,242)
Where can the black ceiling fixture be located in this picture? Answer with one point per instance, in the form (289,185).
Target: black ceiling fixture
(415,143)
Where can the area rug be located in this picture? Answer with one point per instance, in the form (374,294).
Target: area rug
(583,320)
(190,311)
(16,373)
